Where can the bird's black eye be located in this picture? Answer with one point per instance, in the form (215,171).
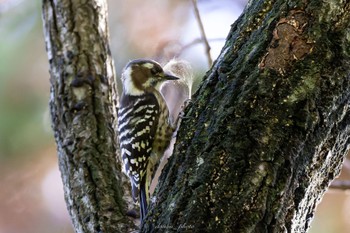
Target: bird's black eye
(154,71)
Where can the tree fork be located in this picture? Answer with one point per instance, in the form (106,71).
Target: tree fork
(260,142)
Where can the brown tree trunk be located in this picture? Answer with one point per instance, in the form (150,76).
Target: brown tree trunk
(83,105)
(263,137)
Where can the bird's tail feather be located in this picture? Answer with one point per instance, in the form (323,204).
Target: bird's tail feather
(143,202)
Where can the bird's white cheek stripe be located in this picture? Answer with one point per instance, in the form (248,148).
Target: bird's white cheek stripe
(129,87)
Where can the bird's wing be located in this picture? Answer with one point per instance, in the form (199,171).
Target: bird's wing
(137,124)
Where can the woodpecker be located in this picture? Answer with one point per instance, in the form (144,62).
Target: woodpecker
(144,126)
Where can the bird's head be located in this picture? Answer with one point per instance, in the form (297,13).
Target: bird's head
(142,75)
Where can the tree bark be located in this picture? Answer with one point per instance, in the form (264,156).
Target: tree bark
(269,127)
(259,144)
(83,109)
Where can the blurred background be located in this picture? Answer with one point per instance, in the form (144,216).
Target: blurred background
(31,194)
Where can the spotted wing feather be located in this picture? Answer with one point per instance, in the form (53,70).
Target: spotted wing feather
(137,124)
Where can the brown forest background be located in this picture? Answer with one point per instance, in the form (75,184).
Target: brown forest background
(31,195)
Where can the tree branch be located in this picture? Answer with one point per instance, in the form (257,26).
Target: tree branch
(83,115)
(204,37)
(269,127)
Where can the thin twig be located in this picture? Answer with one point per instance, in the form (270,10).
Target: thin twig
(340,184)
(199,40)
(179,48)
(204,37)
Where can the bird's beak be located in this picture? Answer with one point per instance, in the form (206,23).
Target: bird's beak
(168,76)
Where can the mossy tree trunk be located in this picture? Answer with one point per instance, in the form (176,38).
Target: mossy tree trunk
(262,138)
(269,127)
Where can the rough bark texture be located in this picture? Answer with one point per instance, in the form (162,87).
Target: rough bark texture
(260,142)
(83,105)
(269,127)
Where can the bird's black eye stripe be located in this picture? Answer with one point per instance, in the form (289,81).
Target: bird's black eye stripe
(154,71)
